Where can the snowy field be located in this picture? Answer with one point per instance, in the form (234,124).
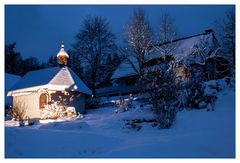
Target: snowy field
(102,134)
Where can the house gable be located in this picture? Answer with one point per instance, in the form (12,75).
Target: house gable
(183,54)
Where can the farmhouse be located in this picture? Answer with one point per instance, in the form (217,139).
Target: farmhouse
(56,87)
(193,53)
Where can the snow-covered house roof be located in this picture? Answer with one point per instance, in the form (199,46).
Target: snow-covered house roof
(10,80)
(183,52)
(56,78)
(125,69)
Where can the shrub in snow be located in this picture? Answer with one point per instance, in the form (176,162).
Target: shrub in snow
(71,112)
(132,125)
(166,116)
(121,105)
(26,123)
(212,87)
(193,93)
(202,104)
(130,100)
(7,109)
(182,99)
(195,98)
(198,99)
(124,104)
(54,111)
(163,93)
(18,113)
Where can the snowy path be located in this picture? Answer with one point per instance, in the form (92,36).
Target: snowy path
(196,133)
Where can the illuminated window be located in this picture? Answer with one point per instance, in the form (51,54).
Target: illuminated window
(43,100)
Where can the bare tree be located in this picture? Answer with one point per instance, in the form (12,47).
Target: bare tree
(139,36)
(203,51)
(94,43)
(167,33)
(226,31)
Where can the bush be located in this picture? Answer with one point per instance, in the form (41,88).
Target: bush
(7,110)
(18,113)
(55,111)
(124,104)
(196,97)
(163,92)
(166,116)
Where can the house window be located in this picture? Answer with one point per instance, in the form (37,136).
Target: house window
(43,100)
(130,81)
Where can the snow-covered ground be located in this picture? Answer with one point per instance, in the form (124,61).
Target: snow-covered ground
(102,133)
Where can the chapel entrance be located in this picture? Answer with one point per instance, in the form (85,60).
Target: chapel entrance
(42,100)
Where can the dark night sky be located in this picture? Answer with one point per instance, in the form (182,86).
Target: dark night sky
(39,30)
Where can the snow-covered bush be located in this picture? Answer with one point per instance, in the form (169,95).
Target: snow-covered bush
(182,98)
(71,112)
(18,113)
(212,87)
(196,98)
(204,94)
(133,126)
(163,93)
(54,111)
(121,105)
(124,104)
(7,110)
(191,93)
(166,116)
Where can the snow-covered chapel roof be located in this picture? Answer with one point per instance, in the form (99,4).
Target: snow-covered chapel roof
(183,52)
(55,78)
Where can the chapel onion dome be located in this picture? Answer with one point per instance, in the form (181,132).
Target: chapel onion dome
(62,56)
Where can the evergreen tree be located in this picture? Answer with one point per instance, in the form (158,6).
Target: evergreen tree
(52,62)
(14,64)
(13,60)
(30,64)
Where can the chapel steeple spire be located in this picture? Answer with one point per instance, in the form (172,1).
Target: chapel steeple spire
(62,56)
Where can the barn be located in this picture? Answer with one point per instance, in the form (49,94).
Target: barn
(57,87)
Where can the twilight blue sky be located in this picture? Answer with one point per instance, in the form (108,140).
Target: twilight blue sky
(39,29)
